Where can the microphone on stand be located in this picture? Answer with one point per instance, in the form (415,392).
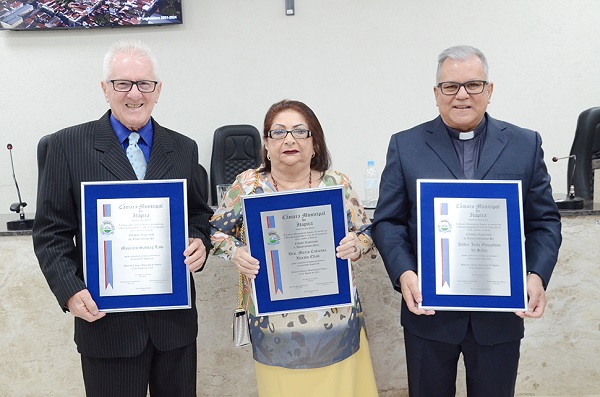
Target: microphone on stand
(571,202)
(555,159)
(22,223)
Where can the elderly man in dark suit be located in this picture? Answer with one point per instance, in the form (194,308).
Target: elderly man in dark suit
(122,354)
(464,142)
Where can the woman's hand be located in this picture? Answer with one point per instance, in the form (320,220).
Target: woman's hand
(245,263)
(349,247)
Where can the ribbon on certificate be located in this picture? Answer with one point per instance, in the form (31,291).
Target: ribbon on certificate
(445,250)
(445,262)
(444,208)
(276,267)
(108,269)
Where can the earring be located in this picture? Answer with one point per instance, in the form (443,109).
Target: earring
(313,156)
(268,156)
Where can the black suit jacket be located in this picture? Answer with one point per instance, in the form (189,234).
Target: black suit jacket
(92,152)
(426,152)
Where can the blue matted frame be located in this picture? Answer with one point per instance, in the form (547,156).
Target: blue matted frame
(253,205)
(176,191)
(427,190)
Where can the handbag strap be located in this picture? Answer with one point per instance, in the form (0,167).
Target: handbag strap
(243,239)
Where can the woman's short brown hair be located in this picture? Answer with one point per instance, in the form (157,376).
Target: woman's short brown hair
(322,159)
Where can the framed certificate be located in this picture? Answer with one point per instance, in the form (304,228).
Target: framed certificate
(294,236)
(471,245)
(134,235)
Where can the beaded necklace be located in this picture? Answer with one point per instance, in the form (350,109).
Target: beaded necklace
(277,188)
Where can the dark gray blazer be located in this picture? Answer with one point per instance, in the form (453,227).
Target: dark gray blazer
(426,151)
(92,152)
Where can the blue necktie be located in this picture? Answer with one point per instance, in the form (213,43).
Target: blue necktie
(135,156)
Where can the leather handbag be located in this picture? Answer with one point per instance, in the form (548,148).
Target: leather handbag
(241,331)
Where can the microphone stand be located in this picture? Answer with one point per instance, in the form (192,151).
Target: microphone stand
(22,223)
(571,202)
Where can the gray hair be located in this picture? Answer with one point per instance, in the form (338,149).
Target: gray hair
(128,47)
(461,53)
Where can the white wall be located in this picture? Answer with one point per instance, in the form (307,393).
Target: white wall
(365,67)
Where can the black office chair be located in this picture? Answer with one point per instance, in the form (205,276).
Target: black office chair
(236,148)
(586,147)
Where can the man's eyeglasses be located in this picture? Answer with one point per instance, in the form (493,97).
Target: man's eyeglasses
(281,133)
(472,87)
(144,86)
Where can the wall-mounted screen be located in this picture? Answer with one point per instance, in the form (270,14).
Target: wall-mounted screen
(61,14)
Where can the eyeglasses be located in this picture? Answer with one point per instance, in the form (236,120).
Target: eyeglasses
(472,87)
(298,134)
(144,86)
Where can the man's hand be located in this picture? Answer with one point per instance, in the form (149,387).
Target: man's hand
(537,297)
(195,254)
(83,306)
(409,284)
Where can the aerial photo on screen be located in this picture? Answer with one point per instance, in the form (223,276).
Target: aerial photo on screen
(61,14)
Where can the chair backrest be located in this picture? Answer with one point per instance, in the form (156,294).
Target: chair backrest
(42,150)
(236,148)
(586,146)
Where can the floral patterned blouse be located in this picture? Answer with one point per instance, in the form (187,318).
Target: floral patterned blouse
(309,339)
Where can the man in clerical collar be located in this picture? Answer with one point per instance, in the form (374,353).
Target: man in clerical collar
(463,142)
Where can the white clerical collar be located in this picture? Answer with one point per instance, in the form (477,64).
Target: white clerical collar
(465,136)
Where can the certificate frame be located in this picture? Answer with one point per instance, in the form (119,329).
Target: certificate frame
(257,207)
(428,190)
(175,190)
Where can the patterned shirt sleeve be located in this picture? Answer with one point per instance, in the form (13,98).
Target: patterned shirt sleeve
(226,223)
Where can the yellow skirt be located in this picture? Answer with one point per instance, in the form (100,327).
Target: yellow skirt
(352,377)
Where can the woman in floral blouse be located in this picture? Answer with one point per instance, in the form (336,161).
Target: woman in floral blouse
(311,353)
